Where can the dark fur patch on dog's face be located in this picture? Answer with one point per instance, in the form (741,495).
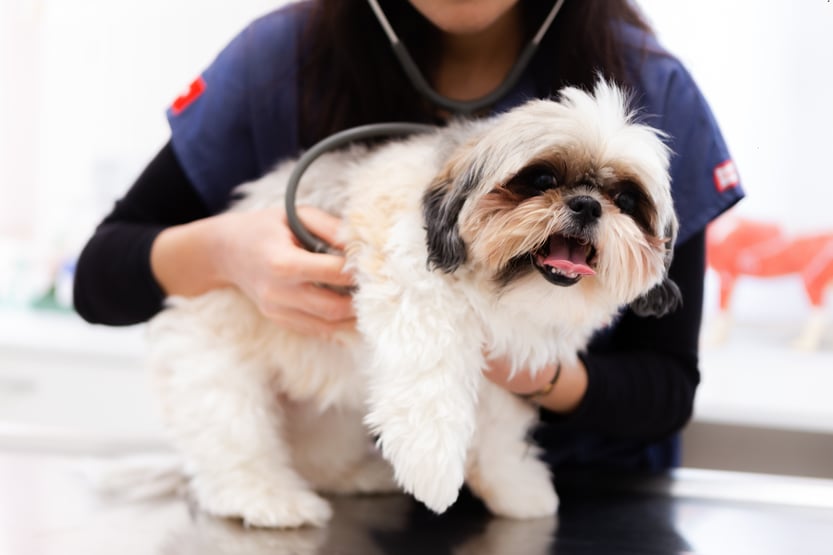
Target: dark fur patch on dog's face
(446,249)
(441,206)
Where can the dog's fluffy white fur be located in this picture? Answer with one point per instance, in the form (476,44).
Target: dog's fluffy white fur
(466,243)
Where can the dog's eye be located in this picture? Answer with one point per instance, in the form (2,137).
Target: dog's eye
(533,180)
(627,202)
(632,201)
(544,181)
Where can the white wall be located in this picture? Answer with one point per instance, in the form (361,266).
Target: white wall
(83,89)
(19,114)
(766,68)
(86,83)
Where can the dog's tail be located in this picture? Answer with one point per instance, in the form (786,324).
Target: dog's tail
(136,477)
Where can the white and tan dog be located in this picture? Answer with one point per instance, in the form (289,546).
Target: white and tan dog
(516,236)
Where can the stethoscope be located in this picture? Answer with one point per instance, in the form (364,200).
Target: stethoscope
(392,129)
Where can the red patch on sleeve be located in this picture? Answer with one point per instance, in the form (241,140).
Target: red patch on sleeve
(185,99)
(726,176)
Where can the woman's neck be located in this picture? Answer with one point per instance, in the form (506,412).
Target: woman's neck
(472,65)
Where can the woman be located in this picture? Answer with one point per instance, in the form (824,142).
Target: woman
(306,71)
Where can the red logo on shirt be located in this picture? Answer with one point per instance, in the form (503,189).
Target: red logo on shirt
(185,99)
(726,176)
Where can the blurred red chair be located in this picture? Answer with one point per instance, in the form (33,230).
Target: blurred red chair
(738,247)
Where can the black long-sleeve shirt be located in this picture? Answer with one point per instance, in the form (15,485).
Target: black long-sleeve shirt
(642,374)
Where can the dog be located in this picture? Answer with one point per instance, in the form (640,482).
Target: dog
(516,236)
(738,247)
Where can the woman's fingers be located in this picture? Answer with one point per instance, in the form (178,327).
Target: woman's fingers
(326,304)
(321,224)
(306,324)
(313,300)
(499,372)
(322,268)
(291,286)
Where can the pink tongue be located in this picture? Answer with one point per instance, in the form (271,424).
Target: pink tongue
(564,257)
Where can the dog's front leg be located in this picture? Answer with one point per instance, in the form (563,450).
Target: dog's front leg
(423,380)
(504,468)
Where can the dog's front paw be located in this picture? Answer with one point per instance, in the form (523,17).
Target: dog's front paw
(263,506)
(438,490)
(523,501)
(429,473)
(525,492)
(425,422)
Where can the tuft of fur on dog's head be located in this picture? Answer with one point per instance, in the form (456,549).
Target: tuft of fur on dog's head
(568,192)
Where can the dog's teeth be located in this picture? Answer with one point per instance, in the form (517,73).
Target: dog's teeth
(560,273)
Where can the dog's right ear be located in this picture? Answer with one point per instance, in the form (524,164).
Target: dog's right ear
(663,299)
(441,209)
(666,296)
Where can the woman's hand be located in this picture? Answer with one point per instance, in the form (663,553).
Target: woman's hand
(261,256)
(257,253)
(565,395)
(522,383)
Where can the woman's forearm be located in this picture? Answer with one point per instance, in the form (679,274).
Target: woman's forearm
(114,283)
(184,258)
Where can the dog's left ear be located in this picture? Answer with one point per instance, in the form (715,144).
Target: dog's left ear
(441,206)
(665,297)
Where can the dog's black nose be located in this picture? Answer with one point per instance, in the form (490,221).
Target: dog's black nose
(586,208)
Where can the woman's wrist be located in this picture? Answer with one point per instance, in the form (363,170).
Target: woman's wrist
(557,387)
(567,391)
(183,258)
(547,387)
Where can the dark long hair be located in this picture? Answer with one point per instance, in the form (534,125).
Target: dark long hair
(349,75)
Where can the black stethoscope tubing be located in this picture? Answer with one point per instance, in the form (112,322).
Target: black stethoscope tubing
(342,138)
(304,236)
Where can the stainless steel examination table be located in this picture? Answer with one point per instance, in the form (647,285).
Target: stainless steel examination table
(47,508)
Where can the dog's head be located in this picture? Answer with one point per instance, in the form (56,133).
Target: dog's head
(572,192)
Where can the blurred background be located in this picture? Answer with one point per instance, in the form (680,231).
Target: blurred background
(83,89)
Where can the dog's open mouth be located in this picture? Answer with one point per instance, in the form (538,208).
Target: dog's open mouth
(564,260)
